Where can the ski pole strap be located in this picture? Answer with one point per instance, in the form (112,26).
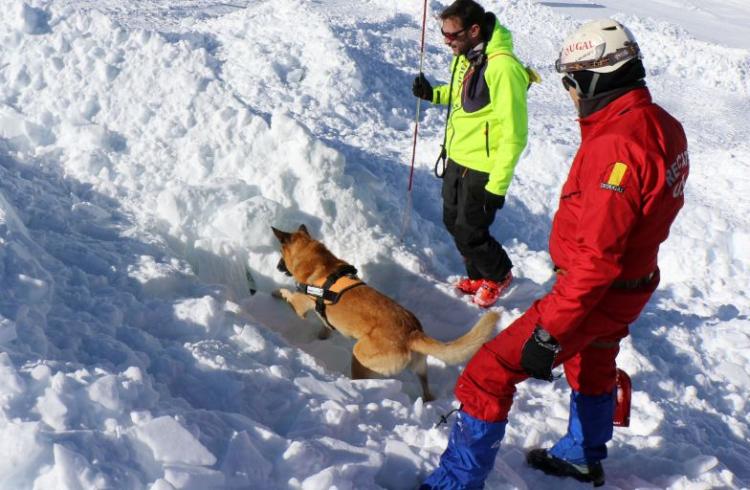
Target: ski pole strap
(440,159)
(443,150)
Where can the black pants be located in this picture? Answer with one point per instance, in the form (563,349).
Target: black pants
(468,217)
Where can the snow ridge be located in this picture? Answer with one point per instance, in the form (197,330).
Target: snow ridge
(146,149)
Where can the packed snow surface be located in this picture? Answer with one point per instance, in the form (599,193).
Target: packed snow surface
(147,147)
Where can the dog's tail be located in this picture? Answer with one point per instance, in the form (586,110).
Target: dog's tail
(463,347)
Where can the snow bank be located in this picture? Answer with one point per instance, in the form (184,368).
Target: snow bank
(144,153)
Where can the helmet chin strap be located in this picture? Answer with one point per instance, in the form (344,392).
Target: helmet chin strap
(592,85)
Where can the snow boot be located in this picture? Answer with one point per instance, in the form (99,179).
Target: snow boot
(490,291)
(540,459)
(468,286)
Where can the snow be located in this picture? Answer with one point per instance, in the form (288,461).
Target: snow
(147,147)
(717,21)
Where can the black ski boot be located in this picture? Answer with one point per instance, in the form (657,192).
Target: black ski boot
(540,459)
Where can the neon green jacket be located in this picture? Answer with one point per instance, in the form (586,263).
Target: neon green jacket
(488,125)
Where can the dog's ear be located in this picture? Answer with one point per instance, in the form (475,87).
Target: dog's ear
(303,229)
(283,236)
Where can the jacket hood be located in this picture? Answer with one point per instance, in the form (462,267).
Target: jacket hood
(501,38)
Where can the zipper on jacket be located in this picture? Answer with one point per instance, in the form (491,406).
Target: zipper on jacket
(449,116)
(487,137)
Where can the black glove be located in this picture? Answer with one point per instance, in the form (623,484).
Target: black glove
(493,201)
(421,87)
(539,353)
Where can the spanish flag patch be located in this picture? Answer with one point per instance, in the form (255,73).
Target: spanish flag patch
(616,176)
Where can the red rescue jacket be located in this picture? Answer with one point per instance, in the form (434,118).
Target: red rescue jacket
(623,191)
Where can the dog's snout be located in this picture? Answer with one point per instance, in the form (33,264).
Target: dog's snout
(281,266)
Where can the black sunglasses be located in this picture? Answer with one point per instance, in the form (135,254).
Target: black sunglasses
(569,82)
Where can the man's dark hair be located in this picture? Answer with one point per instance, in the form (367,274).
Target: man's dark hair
(469,11)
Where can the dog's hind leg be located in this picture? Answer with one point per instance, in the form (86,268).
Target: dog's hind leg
(380,357)
(359,371)
(418,364)
(324,333)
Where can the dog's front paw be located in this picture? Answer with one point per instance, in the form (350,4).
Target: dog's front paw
(282,293)
(324,333)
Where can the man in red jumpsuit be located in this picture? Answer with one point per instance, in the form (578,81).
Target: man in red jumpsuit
(624,190)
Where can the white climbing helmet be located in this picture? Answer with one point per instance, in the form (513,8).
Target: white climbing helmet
(601,46)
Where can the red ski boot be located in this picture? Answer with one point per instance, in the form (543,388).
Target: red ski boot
(468,286)
(490,291)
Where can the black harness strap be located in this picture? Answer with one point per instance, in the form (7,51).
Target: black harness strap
(622,283)
(323,293)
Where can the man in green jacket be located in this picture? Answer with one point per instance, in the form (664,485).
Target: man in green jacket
(485,134)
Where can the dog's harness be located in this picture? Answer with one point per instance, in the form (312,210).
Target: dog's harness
(331,290)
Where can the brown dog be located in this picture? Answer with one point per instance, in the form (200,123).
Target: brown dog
(389,337)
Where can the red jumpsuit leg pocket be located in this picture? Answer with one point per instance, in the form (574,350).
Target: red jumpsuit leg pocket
(487,384)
